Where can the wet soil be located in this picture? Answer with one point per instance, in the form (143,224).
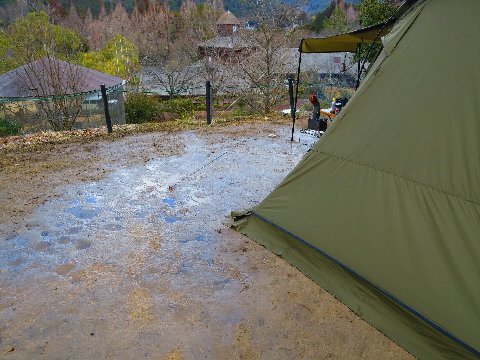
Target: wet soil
(119,250)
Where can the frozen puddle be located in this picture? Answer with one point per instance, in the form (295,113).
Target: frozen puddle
(140,244)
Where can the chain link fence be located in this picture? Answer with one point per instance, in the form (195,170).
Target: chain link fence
(76,111)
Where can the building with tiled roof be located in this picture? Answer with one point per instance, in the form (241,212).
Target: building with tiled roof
(228,45)
(228,24)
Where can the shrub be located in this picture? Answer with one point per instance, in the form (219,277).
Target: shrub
(241,111)
(179,106)
(8,128)
(140,108)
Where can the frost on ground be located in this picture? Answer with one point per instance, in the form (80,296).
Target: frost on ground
(117,249)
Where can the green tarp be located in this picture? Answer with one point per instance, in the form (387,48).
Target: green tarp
(384,211)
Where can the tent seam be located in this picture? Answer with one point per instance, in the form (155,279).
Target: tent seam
(460,197)
(387,294)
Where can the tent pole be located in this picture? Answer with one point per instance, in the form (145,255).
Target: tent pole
(392,17)
(358,66)
(294,112)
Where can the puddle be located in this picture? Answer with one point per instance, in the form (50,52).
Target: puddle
(153,270)
(74,230)
(207,256)
(63,240)
(16,262)
(113,227)
(64,269)
(171,219)
(136,204)
(42,246)
(220,284)
(46,236)
(200,238)
(170,202)
(141,214)
(91,200)
(83,213)
(83,244)
(232,317)
(185,268)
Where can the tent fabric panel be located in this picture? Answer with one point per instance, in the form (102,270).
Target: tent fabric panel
(339,43)
(345,42)
(371,220)
(396,181)
(393,37)
(373,33)
(359,296)
(420,121)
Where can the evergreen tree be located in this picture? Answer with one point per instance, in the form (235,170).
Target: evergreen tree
(372,12)
(337,22)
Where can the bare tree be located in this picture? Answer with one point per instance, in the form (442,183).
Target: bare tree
(11,11)
(265,68)
(170,44)
(73,21)
(36,45)
(59,86)
(220,67)
(173,74)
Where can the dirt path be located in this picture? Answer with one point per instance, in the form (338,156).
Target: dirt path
(117,250)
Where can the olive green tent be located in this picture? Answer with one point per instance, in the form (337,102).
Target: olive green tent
(384,211)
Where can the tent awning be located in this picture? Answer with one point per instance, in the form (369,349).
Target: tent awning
(349,42)
(345,42)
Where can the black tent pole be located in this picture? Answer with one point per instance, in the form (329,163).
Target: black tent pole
(391,18)
(358,65)
(294,113)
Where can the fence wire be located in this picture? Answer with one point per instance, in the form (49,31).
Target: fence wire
(76,111)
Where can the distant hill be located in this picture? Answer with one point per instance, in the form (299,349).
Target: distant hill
(316,6)
(238,7)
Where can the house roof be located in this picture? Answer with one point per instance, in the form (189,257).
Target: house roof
(228,19)
(51,77)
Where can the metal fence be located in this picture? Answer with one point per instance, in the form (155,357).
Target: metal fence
(77,111)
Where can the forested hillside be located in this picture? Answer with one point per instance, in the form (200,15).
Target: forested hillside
(238,7)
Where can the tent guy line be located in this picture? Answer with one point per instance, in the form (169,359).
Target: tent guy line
(207,164)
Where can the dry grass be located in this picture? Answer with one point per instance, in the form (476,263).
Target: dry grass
(38,141)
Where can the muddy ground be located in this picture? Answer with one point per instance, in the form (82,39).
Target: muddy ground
(119,250)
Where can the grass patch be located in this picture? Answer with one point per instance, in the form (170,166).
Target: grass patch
(41,140)
(9,128)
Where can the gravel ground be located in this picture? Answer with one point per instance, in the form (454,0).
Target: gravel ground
(119,250)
